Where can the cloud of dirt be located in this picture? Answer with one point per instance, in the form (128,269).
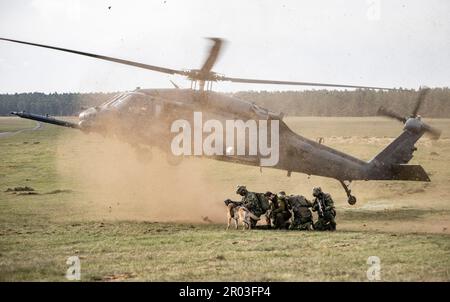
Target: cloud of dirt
(115,181)
(111,180)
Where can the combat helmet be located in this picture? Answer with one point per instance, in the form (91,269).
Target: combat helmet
(317,191)
(241,190)
(281,195)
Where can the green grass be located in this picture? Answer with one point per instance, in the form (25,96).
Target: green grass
(14,124)
(404,224)
(177,252)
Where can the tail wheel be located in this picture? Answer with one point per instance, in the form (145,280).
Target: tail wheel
(351,200)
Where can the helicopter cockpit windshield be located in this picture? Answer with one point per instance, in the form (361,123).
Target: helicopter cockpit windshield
(130,103)
(121,102)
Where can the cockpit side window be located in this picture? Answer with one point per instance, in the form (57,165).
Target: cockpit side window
(112,100)
(136,103)
(139,104)
(121,102)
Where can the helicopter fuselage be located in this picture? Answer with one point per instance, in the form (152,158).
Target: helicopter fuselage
(146,115)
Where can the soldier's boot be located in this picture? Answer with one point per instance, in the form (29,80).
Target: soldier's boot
(302,227)
(332,224)
(308,226)
(286,221)
(311,224)
(323,224)
(318,226)
(279,221)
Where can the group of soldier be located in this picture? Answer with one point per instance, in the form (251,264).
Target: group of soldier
(293,212)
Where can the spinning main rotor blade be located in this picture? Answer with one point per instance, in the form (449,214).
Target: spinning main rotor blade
(255,81)
(213,55)
(422,94)
(206,73)
(120,61)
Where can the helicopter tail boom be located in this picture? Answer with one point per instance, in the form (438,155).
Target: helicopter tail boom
(45,119)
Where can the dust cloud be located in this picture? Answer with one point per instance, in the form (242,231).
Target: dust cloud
(114,181)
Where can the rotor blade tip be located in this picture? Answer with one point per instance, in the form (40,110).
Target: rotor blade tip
(214,38)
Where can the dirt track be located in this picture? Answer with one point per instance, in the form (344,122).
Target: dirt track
(11,133)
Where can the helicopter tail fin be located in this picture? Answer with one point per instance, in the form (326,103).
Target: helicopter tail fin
(390,163)
(409,172)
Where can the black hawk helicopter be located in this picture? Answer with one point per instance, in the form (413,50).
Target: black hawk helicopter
(143,118)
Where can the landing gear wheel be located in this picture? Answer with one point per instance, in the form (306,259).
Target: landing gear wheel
(351,200)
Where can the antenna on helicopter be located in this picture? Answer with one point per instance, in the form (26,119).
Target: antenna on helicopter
(174,85)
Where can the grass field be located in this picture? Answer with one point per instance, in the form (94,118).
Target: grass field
(94,199)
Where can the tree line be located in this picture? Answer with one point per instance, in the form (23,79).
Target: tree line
(292,103)
(59,104)
(350,103)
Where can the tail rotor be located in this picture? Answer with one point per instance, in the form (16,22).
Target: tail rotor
(413,121)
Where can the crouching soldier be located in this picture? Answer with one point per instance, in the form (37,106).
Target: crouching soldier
(280,212)
(252,202)
(303,218)
(324,205)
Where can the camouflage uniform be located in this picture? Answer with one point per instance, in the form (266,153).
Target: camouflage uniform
(326,219)
(280,212)
(271,200)
(253,202)
(300,206)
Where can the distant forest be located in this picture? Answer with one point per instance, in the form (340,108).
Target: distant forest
(292,103)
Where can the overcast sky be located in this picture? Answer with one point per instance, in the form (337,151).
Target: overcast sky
(391,43)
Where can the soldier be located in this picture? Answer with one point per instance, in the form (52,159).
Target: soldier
(251,201)
(324,205)
(271,198)
(300,206)
(280,212)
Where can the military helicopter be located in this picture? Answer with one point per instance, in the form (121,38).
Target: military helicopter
(144,118)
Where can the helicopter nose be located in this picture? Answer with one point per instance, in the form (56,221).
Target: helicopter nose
(87,117)
(88,114)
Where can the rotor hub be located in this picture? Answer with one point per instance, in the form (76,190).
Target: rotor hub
(414,124)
